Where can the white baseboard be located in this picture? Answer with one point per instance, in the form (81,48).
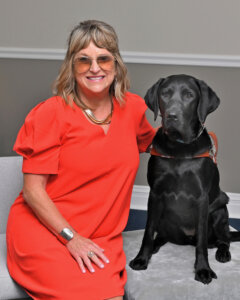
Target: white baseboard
(183,59)
(140,197)
(141,192)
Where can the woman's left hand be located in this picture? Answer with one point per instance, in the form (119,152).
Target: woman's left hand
(86,252)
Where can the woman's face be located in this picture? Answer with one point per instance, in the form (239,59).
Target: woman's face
(94,70)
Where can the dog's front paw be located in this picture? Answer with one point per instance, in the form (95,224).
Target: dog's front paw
(223,254)
(205,275)
(139,263)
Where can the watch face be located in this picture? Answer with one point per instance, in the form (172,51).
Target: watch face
(67,234)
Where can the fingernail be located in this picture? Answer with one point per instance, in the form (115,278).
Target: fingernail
(92,270)
(102,266)
(107,261)
(84,271)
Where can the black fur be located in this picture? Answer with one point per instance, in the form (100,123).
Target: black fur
(186,205)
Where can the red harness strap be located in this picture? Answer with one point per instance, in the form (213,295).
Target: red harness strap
(212,153)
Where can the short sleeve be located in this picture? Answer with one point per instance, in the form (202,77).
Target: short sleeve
(39,139)
(145,132)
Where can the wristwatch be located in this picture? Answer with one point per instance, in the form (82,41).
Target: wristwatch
(65,235)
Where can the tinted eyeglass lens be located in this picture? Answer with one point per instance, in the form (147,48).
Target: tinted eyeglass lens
(105,62)
(83,64)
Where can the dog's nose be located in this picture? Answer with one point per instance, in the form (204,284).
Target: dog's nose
(171,116)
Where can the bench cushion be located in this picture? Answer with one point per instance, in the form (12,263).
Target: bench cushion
(9,289)
(170,274)
(11,181)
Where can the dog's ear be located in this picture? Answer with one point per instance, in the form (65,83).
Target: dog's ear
(209,101)
(151,97)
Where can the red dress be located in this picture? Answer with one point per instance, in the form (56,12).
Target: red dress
(92,176)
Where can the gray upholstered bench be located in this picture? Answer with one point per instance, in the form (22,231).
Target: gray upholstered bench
(170,272)
(10,186)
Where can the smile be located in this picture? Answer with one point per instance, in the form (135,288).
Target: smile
(95,78)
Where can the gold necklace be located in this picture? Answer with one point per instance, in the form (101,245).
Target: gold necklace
(91,116)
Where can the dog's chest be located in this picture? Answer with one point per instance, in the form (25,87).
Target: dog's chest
(177,188)
(176,176)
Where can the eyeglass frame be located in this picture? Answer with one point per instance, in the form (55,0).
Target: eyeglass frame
(113,59)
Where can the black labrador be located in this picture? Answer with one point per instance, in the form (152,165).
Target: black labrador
(186,205)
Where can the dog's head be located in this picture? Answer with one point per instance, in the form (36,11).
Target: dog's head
(184,103)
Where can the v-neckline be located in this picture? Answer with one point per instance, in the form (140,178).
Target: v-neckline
(105,134)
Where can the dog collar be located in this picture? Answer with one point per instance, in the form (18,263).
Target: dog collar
(212,153)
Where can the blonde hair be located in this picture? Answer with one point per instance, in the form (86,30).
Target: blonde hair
(103,36)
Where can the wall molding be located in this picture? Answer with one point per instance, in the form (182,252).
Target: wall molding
(141,192)
(32,53)
(131,57)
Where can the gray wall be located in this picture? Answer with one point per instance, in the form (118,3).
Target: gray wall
(168,26)
(153,27)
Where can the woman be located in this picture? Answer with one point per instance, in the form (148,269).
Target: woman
(80,158)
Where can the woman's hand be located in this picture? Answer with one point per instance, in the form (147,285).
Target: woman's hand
(86,252)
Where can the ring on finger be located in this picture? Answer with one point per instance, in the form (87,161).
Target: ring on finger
(90,254)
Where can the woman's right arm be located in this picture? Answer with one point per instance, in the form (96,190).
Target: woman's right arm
(36,196)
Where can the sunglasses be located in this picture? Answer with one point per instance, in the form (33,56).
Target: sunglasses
(83,64)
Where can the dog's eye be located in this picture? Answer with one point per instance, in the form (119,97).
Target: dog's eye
(188,94)
(165,93)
